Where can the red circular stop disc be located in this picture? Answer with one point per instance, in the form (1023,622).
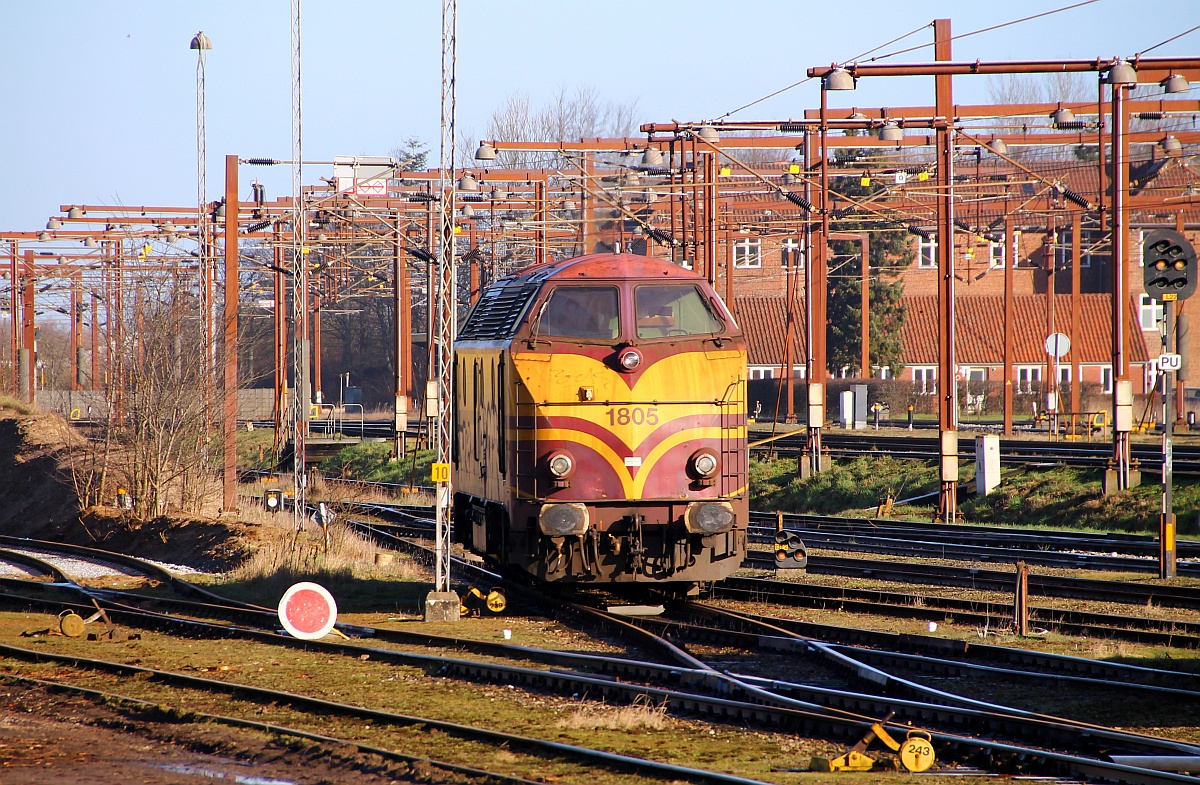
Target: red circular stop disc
(307,611)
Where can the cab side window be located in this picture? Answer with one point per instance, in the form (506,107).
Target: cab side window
(587,312)
(673,310)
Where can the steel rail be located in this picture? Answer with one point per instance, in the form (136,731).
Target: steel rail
(932,549)
(1012,451)
(147,568)
(101,696)
(958,533)
(1166,632)
(1158,595)
(538,747)
(976,652)
(695,702)
(791,714)
(931,703)
(29,561)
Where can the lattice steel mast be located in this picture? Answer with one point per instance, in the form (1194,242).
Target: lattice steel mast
(446,298)
(300,394)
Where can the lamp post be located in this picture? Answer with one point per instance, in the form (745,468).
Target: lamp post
(201,44)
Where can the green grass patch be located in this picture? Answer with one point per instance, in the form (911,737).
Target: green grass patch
(1056,498)
(256,449)
(373,461)
(847,488)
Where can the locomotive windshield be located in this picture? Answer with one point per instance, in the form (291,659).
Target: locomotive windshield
(581,312)
(673,310)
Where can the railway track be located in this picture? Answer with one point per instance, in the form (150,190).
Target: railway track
(1161,595)
(1146,456)
(1066,549)
(743,701)
(979,613)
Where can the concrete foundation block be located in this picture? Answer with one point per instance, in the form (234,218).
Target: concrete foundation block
(1109,482)
(806,465)
(442,606)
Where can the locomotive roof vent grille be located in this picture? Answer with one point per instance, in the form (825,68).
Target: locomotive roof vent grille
(497,313)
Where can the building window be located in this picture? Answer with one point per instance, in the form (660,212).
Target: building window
(926,252)
(747,253)
(881,373)
(925,379)
(1151,312)
(799,372)
(1064,374)
(995,255)
(1027,377)
(762,373)
(1106,378)
(1088,239)
(792,252)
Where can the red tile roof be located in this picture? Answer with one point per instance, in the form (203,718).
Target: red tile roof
(979,333)
(762,319)
(979,320)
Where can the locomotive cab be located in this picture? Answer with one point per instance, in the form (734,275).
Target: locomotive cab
(603,438)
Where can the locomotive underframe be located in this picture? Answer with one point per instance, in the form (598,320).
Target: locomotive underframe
(647,542)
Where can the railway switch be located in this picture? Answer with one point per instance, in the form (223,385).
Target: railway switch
(915,753)
(70,624)
(477,603)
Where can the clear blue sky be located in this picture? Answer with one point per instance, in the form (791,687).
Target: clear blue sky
(99,98)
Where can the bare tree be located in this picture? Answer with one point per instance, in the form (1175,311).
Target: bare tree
(155,441)
(1068,88)
(566,115)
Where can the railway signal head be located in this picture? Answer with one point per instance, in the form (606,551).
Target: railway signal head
(1168,265)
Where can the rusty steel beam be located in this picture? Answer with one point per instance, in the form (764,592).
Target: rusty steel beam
(947,386)
(1076,308)
(14,311)
(997,111)
(28,329)
(1119,220)
(1146,66)
(1010,261)
(865,305)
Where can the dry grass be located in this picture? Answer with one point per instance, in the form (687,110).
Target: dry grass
(285,554)
(19,406)
(642,714)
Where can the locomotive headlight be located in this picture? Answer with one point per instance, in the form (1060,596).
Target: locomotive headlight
(704,463)
(560,464)
(709,517)
(629,359)
(560,520)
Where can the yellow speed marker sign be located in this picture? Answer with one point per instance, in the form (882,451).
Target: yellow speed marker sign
(916,753)
(439,472)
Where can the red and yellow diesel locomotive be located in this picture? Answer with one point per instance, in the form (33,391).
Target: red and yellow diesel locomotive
(601,425)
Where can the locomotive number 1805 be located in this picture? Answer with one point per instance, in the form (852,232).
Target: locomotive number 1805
(638,415)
